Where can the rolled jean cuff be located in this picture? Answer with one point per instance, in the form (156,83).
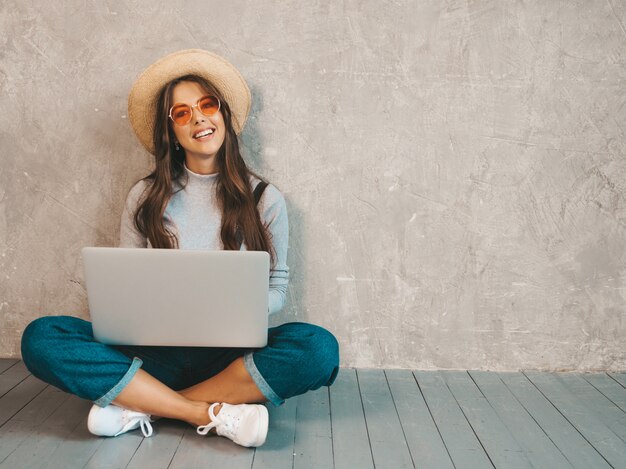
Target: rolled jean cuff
(258,379)
(113,393)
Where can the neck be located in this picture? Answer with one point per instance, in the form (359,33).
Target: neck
(201,165)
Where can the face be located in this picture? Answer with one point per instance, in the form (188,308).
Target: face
(197,148)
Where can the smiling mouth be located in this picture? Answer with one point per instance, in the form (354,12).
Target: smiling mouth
(204,133)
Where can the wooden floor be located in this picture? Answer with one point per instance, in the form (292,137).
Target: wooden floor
(368,418)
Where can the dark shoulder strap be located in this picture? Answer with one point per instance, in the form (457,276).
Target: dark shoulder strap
(258,192)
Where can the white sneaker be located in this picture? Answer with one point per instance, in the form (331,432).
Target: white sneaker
(245,424)
(113,420)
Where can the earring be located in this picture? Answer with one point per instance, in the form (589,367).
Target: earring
(176,145)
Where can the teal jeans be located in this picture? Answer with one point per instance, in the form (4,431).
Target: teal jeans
(61,351)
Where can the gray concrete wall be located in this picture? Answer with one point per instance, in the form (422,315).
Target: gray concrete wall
(455,171)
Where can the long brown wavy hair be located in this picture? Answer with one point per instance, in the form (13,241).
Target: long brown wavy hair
(240,215)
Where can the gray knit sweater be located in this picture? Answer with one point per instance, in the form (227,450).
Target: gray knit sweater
(195,218)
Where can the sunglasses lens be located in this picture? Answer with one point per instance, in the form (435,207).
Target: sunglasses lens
(209,105)
(181,114)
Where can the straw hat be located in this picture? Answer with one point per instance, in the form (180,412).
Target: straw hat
(221,73)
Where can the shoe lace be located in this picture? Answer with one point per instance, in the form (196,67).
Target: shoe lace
(144,422)
(225,425)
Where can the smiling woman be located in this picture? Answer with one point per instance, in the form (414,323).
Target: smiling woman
(199,127)
(187,110)
(179,154)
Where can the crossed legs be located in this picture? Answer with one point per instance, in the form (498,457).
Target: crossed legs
(61,350)
(146,394)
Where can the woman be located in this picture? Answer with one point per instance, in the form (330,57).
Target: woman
(187,110)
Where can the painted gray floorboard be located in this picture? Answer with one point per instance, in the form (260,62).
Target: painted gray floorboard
(278,450)
(537,446)
(76,449)
(20,395)
(609,387)
(458,436)
(201,451)
(351,448)
(574,447)
(6,363)
(619,377)
(422,436)
(502,448)
(36,448)
(612,448)
(113,451)
(12,376)
(28,420)
(157,451)
(592,399)
(313,438)
(389,447)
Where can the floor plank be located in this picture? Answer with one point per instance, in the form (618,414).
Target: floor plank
(608,387)
(12,376)
(34,450)
(619,377)
(313,446)
(351,446)
(593,400)
(19,395)
(389,447)
(458,436)
(609,445)
(6,363)
(113,451)
(158,451)
(278,450)
(422,436)
(29,419)
(537,446)
(76,449)
(501,447)
(201,451)
(574,447)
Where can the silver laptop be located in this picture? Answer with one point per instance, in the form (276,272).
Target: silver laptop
(177,297)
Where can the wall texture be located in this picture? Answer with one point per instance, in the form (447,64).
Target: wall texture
(455,172)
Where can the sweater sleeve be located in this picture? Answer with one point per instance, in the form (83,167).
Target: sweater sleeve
(130,237)
(273,211)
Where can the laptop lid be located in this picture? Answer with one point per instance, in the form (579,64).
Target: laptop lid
(177,297)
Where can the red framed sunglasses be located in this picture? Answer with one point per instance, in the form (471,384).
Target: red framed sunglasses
(181,114)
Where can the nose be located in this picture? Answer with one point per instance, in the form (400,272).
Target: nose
(195,111)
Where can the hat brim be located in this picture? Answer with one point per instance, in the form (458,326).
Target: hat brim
(217,70)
